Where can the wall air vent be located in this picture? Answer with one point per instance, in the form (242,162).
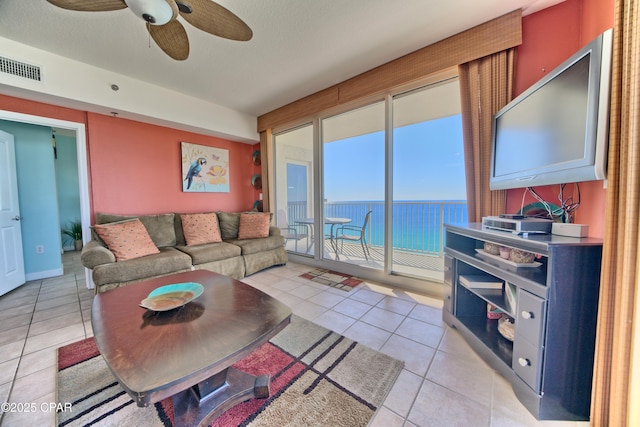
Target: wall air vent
(20,69)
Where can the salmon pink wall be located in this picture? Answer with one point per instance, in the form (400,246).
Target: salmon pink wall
(597,16)
(23,106)
(548,38)
(136,169)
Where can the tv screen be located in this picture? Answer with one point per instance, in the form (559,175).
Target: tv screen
(556,131)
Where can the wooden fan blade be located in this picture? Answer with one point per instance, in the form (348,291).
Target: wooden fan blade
(171,38)
(90,5)
(214,19)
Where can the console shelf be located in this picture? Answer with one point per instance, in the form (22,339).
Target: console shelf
(491,296)
(548,363)
(487,331)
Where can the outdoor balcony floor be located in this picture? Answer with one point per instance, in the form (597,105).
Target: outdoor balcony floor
(410,263)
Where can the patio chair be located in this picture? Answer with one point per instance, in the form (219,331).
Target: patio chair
(354,233)
(288,232)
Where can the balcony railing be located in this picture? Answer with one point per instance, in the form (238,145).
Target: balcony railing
(417,225)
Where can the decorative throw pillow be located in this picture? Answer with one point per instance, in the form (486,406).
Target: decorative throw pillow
(200,228)
(126,239)
(254,225)
(159,227)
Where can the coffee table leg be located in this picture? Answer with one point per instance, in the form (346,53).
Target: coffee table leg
(207,400)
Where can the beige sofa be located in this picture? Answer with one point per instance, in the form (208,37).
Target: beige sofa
(233,257)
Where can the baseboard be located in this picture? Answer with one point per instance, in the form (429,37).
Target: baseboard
(39,275)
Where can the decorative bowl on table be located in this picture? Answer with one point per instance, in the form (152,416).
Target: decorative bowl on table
(505,252)
(521,257)
(506,327)
(172,296)
(491,248)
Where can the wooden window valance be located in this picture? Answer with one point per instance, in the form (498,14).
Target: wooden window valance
(494,36)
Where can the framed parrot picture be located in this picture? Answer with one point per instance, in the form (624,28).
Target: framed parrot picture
(204,169)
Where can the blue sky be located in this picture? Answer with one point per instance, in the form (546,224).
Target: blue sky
(428,164)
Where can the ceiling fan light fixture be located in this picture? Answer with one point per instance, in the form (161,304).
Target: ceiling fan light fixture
(155,12)
(162,24)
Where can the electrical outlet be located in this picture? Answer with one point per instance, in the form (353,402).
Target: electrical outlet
(39,249)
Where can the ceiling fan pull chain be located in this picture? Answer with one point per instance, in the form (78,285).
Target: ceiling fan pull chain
(149,33)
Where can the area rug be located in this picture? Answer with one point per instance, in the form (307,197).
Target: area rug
(318,378)
(332,278)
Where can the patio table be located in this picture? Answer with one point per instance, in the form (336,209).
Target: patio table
(309,222)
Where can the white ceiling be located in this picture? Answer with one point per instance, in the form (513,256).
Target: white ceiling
(298,47)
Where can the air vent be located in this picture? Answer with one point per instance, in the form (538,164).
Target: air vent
(19,69)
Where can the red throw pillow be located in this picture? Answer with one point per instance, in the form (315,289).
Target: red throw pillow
(200,228)
(254,225)
(126,239)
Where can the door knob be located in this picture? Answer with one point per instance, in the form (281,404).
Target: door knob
(17,218)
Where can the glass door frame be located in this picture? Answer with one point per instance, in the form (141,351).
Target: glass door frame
(385,275)
(363,107)
(282,156)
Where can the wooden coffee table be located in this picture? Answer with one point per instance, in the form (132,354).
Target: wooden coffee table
(187,352)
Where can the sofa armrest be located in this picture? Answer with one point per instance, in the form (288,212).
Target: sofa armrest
(95,253)
(274,231)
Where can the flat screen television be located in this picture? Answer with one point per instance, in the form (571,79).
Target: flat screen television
(556,131)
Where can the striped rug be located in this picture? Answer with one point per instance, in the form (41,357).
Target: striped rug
(337,280)
(318,378)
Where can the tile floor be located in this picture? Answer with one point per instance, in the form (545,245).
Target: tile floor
(444,383)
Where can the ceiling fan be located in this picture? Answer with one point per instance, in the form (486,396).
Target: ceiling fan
(162,24)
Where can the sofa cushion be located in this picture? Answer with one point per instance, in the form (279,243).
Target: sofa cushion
(252,246)
(177,228)
(253,226)
(201,254)
(274,231)
(201,228)
(126,239)
(168,261)
(229,224)
(159,227)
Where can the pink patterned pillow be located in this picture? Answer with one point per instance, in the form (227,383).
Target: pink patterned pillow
(200,228)
(254,225)
(126,239)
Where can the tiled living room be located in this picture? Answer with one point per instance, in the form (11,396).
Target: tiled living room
(443,381)
(116,113)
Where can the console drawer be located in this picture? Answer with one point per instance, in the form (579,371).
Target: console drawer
(530,318)
(448,283)
(526,363)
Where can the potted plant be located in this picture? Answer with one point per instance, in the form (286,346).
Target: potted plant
(73,233)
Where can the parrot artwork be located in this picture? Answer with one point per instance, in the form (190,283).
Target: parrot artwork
(194,170)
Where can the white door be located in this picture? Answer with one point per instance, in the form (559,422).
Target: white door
(11,260)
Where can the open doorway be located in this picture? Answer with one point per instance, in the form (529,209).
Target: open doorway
(77,131)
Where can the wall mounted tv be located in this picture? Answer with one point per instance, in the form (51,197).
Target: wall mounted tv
(556,131)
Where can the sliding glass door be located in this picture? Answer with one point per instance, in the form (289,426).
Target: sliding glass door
(428,177)
(293,151)
(353,147)
(372,186)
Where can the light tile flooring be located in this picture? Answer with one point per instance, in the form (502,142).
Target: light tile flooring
(444,383)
